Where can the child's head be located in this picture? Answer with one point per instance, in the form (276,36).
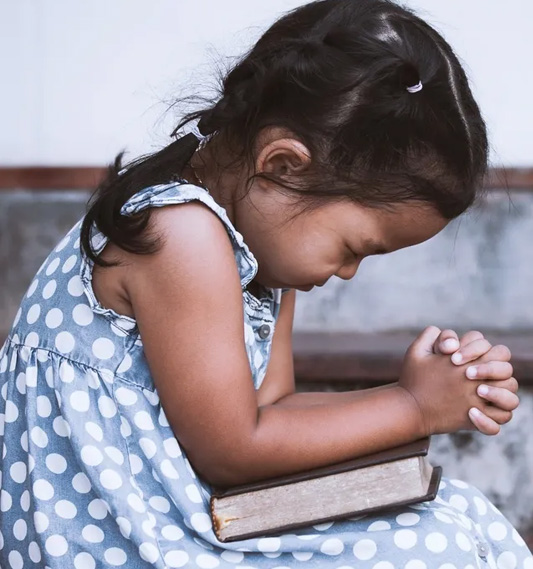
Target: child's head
(371,94)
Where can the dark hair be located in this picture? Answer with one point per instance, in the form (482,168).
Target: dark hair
(334,72)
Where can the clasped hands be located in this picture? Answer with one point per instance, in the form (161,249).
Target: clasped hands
(491,368)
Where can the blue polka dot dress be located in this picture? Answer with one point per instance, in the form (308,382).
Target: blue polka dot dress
(93,476)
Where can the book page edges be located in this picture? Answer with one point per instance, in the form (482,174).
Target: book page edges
(342,495)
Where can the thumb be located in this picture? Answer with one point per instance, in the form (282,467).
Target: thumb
(423,345)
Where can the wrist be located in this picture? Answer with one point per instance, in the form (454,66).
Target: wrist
(415,414)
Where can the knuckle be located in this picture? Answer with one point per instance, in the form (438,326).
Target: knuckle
(503,352)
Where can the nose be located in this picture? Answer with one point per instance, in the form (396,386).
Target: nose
(347,272)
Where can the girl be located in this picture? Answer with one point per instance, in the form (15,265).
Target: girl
(155,361)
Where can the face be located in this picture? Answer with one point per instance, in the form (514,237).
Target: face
(329,240)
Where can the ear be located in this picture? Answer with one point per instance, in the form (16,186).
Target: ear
(283,157)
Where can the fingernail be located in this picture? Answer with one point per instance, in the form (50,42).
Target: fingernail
(471,372)
(450,344)
(474,412)
(483,390)
(457,358)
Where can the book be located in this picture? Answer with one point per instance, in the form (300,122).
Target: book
(385,480)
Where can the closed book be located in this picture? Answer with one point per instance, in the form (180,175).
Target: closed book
(384,480)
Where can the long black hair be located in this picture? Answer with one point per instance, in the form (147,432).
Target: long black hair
(336,73)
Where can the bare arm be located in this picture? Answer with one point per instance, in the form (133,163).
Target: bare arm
(187,300)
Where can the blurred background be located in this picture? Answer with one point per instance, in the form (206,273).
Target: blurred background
(82,81)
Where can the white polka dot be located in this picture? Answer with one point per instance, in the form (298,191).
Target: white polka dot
(126,396)
(459,502)
(507,560)
(41,522)
(110,479)
(172,447)
(124,526)
(84,561)
(39,437)
(459,483)
(481,506)
(56,545)
(94,430)
(107,407)
(462,541)
(365,549)
(24,441)
(379,525)
(136,503)
(148,552)
(143,420)
(201,522)
(92,534)
(68,265)
(12,413)
(172,533)
(56,463)
(207,561)
(52,267)
(324,526)
(82,315)
(25,500)
(384,565)
(528,563)
(63,243)
(232,556)
(148,447)
(415,564)
(176,558)
(91,456)
(81,483)
(136,463)
(405,538)
(61,427)
(75,286)
(79,401)
(18,472)
(97,509)
(54,318)
(125,364)
(436,542)
(160,504)
(193,494)
(65,342)
(114,454)
(115,556)
(20,383)
(168,469)
(302,555)
(20,529)
(407,519)
(31,376)
(148,528)
(50,289)
(34,552)
(15,560)
(497,531)
(33,288)
(66,509)
(32,340)
(103,348)
(332,546)
(44,408)
(43,490)
(267,544)
(33,314)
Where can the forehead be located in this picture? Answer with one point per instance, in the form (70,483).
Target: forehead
(397,226)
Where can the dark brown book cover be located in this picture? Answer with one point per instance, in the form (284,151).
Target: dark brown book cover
(416,448)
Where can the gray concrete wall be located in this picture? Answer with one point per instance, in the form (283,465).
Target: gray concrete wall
(478,273)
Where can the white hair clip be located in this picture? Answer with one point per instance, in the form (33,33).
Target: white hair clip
(415,88)
(203,139)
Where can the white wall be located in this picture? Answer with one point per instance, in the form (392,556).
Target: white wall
(82,80)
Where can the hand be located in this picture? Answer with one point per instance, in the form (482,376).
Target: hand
(494,360)
(442,392)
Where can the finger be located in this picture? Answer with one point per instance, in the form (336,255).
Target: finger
(499,416)
(472,351)
(500,397)
(469,337)
(423,345)
(490,370)
(510,384)
(484,424)
(499,353)
(447,343)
